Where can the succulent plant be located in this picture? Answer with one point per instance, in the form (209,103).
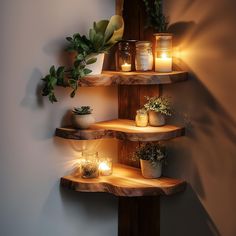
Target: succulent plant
(102,37)
(159,104)
(84,110)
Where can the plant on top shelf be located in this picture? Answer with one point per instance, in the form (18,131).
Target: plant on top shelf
(103,35)
(151,156)
(82,117)
(158,108)
(155,16)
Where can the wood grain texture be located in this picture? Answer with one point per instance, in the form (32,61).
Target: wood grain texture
(122,129)
(125,181)
(139,216)
(112,78)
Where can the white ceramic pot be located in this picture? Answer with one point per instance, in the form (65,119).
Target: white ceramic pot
(97,66)
(150,171)
(156,118)
(82,121)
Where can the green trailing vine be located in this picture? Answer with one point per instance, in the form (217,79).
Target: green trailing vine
(155,17)
(102,37)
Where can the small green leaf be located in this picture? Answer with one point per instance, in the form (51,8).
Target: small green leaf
(73,93)
(52,71)
(91,60)
(87,71)
(72,83)
(80,57)
(69,39)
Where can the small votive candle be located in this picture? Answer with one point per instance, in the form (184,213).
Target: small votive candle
(141,118)
(90,164)
(126,67)
(105,166)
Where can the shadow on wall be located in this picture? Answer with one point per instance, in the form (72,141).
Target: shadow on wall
(205,158)
(192,218)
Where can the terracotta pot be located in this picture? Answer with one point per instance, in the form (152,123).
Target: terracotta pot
(156,118)
(82,121)
(97,66)
(149,170)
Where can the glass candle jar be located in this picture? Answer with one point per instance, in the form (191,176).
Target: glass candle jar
(124,56)
(163,52)
(144,56)
(105,166)
(141,118)
(89,165)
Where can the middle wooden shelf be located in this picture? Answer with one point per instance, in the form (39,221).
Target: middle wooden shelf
(122,129)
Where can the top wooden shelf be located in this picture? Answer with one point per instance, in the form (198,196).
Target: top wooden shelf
(110,78)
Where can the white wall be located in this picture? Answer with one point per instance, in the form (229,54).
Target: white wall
(32,160)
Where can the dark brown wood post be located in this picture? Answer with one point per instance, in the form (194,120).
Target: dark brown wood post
(137,216)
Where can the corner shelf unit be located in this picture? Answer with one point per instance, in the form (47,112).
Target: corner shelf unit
(125,181)
(113,78)
(122,129)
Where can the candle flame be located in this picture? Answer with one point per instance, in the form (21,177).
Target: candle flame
(104,166)
(164,55)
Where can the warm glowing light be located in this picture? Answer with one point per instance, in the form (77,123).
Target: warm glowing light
(126,67)
(104,166)
(164,55)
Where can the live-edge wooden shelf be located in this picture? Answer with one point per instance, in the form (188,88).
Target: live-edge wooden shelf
(125,181)
(112,78)
(122,129)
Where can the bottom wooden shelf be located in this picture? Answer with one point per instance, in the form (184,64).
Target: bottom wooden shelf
(125,181)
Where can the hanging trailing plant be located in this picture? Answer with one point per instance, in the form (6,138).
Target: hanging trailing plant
(155,17)
(102,37)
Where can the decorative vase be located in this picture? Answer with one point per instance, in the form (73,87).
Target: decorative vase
(96,67)
(149,170)
(156,118)
(82,121)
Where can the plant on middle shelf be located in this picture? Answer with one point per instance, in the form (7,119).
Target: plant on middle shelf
(87,50)
(155,16)
(82,117)
(158,108)
(151,156)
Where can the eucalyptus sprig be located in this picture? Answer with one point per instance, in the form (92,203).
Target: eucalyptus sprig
(155,16)
(159,104)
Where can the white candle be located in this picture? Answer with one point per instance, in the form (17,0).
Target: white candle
(105,168)
(163,63)
(126,67)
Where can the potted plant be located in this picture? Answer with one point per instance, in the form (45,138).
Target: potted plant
(82,117)
(158,108)
(152,157)
(89,54)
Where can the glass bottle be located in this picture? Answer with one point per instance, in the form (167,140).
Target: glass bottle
(90,164)
(124,56)
(141,118)
(163,52)
(144,56)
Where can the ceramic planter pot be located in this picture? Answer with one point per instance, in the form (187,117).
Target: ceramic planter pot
(150,171)
(156,118)
(97,66)
(82,121)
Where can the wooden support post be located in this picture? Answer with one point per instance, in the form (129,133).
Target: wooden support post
(139,216)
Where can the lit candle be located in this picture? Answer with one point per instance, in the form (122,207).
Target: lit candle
(105,167)
(126,67)
(163,63)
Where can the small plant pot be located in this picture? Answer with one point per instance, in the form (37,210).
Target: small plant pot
(96,67)
(82,121)
(156,118)
(149,170)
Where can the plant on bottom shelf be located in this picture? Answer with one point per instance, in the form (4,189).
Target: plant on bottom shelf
(151,156)
(155,17)
(103,35)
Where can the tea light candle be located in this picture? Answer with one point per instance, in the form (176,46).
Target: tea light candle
(163,63)
(105,166)
(126,67)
